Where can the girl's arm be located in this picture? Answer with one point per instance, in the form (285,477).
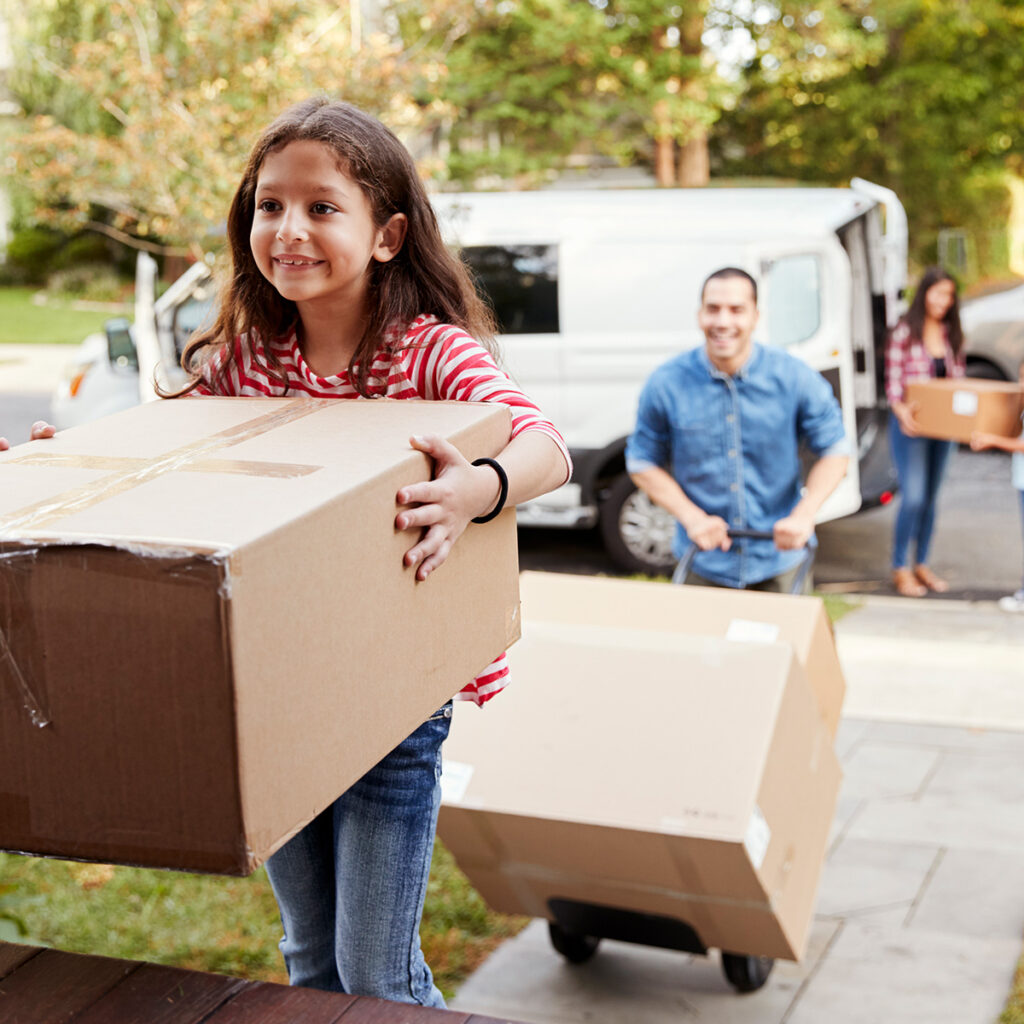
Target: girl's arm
(980,441)
(459,491)
(895,384)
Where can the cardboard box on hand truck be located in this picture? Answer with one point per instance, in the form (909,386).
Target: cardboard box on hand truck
(638,775)
(741,615)
(953,409)
(207,632)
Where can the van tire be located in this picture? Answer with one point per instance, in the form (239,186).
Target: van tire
(637,534)
(981,369)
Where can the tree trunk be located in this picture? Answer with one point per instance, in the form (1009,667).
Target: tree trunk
(664,146)
(694,167)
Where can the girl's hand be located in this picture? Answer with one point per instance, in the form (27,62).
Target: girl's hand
(904,412)
(444,506)
(980,441)
(40,430)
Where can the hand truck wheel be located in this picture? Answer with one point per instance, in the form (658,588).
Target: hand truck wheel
(746,973)
(577,949)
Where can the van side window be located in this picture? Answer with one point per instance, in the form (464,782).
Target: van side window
(521,284)
(791,309)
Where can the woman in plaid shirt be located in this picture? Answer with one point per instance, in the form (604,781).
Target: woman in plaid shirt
(927,342)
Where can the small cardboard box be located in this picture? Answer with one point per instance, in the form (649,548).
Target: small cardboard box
(685,777)
(741,615)
(206,629)
(953,409)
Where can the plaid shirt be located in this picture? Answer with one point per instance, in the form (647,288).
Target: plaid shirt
(907,359)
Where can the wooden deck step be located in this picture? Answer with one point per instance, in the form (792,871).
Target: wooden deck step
(48,986)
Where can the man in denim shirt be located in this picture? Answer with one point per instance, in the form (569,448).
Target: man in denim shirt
(717,444)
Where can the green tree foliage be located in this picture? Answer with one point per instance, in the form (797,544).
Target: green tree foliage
(924,96)
(143,112)
(533,81)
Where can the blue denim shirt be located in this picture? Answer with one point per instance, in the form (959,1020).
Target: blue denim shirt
(732,443)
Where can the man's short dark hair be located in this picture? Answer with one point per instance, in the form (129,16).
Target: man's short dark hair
(727,272)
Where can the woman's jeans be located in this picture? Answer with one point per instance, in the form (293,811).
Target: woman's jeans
(920,464)
(350,886)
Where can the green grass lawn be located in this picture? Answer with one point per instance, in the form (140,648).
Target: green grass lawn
(1013,1013)
(22,322)
(210,923)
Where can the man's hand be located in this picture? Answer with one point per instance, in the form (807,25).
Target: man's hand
(708,532)
(40,430)
(793,532)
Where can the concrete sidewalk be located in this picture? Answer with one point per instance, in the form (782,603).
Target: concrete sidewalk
(33,368)
(921,905)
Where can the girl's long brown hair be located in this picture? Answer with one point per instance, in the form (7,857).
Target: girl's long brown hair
(423,277)
(915,315)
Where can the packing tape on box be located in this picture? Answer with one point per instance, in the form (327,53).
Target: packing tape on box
(514,870)
(131,472)
(126,473)
(114,463)
(29,701)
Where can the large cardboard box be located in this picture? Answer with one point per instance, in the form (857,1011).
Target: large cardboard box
(206,629)
(690,778)
(953,409)
(740,615)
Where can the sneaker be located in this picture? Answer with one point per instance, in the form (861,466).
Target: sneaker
(1013,603)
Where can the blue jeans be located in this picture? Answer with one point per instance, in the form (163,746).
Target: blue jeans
(920,464)
(350,885)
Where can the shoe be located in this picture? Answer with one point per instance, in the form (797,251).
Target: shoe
(906,583)
(1013,603)
(930,580)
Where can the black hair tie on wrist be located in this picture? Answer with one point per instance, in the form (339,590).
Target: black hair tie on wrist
(502,493)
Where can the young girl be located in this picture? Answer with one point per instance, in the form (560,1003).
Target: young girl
(979,442)
(927,342)
(342,287)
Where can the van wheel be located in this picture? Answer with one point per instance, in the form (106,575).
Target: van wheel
(983,370)
(637,534)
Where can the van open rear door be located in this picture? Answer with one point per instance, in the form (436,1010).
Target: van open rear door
(804,298)
(895,241)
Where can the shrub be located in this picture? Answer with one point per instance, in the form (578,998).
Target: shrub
(96,282)
(30,254)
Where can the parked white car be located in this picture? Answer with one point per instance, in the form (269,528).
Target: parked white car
(994,334)
(593,290)
(104,376)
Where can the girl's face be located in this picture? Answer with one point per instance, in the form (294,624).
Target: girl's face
(313,235)
(939,298)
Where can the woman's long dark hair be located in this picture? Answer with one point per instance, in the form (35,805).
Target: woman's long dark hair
(423,277)
(916,314)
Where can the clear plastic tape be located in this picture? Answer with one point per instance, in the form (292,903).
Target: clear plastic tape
(178,563)
(125,473)
(131,472)
(29,701)
(10,670)
(546,875)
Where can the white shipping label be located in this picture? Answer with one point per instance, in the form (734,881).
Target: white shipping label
(757,838)
(965,403)
(751,632)
(455,776)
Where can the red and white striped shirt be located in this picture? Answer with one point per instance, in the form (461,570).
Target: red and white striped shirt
(907,359)
(433,362)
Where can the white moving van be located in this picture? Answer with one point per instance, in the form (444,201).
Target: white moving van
(594,289)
